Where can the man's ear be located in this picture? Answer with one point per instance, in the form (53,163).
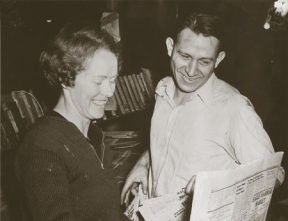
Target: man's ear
(170,45)
(220,57)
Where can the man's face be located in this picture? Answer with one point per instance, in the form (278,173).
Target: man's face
(95,84)
(193,59)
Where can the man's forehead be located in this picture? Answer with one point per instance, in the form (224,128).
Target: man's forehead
(188,34)
(188,39)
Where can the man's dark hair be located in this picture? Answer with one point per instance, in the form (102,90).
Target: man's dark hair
(69,52)
(200,23)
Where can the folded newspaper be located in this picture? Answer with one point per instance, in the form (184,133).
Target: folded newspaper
(237,194)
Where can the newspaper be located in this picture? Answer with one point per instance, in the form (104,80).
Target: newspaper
(133,209)
(168,207)
(242,194)
(239,194)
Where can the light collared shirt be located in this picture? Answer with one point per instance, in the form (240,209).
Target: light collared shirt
(217,128)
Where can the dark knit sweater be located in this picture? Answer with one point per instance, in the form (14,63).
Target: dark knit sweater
(62,178)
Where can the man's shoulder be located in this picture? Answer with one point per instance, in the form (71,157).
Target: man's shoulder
(225,88)
(164,81)
(230,95)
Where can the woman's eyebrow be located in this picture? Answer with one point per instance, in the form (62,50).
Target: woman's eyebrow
(115,76)
(99,77)
(103,76)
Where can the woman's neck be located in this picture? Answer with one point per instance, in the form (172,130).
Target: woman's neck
(68,111)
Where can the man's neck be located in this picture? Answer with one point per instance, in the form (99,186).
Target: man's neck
(181,97)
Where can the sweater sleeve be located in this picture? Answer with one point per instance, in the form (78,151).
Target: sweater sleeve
(43,177)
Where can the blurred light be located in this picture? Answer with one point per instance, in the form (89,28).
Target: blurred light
(266,25)
(49,20)
(276,19)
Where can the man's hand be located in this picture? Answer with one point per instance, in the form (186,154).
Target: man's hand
(190,186)
(139,174)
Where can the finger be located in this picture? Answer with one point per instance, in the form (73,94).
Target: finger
(127,187)
(126,202)
(127,196)
(144,181)
(124,192)
(190,186)
(134,191)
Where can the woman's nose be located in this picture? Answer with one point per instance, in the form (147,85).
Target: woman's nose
(107,88)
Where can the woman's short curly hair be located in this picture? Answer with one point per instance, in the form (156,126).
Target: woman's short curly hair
(73,46)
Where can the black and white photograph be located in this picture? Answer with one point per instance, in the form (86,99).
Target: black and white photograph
(144,110)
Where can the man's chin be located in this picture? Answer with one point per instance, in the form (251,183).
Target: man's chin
(187,89)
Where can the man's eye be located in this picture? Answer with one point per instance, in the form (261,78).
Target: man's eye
(98,82)
(185,56)
(205,62)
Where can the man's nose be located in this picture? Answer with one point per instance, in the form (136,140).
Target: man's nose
(191,68)
(107,88)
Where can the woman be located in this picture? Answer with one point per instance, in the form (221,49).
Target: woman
(62,165)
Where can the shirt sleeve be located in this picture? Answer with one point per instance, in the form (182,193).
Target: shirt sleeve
(247,136)
(43,177)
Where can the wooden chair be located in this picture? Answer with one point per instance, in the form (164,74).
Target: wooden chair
(19,110)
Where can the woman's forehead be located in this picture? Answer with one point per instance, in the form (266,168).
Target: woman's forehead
(103,62)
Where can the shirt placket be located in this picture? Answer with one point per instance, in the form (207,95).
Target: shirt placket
(165,148)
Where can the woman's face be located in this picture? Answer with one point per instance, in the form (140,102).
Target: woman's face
(95,84)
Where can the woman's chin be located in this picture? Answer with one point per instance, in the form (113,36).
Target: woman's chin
(98,115)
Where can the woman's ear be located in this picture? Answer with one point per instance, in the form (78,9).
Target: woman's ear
(169,45)
(220,58)
(64,86)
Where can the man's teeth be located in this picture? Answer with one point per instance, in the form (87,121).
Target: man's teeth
(99,102)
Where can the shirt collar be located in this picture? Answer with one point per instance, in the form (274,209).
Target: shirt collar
(167,88)
(205,93)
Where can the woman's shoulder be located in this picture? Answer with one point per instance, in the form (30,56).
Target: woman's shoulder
(46,131)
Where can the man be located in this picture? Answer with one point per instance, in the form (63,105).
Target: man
(200,123)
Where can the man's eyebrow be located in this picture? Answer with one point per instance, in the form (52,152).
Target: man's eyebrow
(182,52)
(188,55)
(204,58)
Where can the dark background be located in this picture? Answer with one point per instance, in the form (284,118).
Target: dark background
(256,59)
